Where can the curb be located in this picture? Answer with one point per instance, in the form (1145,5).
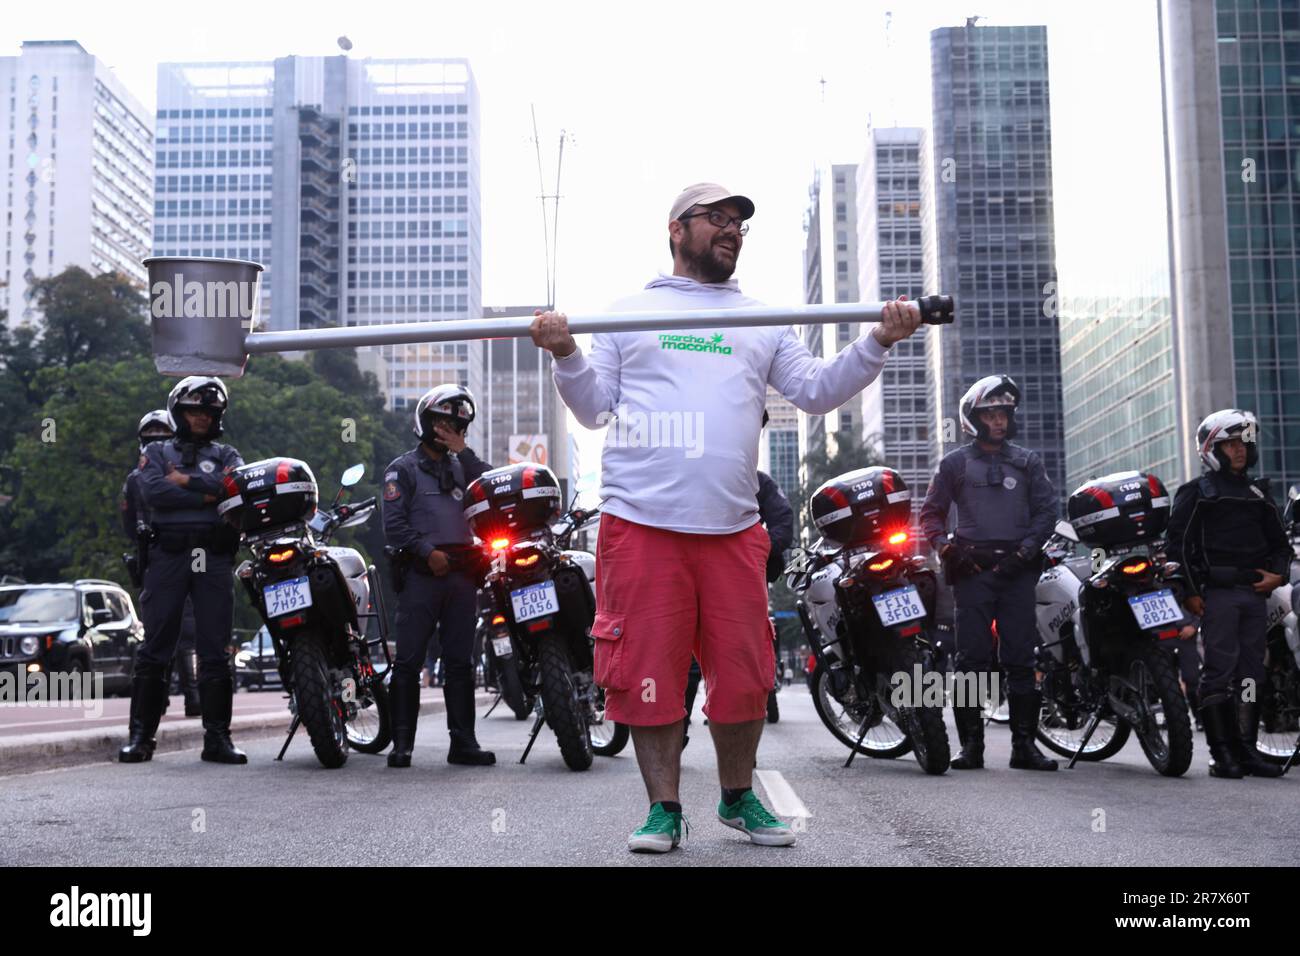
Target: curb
(49,751)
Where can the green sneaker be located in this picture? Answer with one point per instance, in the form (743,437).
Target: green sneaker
(750,816)
(661,832)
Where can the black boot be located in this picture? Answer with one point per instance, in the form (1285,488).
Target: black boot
(458,692)
(1248,756)
(1025,754)
(148,698)
(404,711)
(970,731)
(1220,735)
(216,697)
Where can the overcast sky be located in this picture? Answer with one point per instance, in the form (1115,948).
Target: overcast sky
(656,95)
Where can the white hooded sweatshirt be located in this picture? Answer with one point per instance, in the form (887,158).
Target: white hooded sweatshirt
(685,408)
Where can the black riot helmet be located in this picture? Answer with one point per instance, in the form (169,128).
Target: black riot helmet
(198,393)
(156,425)
(450,404)
(992,391)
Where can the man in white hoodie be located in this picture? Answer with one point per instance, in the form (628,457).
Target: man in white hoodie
(681,555)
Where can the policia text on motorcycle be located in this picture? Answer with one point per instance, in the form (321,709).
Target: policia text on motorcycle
(189,556)
(1226,533)
(1006,509)
(437,570)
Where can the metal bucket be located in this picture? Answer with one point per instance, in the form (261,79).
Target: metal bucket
(201,309)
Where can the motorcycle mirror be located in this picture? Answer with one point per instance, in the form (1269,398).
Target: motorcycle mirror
(352,475)
(1293,493)
(1066,531)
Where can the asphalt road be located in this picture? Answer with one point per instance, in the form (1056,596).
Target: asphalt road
(179,811)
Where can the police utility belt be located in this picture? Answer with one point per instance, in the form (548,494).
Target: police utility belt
(217,538)
(465,558)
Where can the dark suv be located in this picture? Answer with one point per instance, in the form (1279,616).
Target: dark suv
(88,626)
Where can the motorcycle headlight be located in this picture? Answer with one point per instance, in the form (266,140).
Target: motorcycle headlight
(29,645)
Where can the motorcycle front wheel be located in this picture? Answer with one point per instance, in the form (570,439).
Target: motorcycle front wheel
(320,713)
(845,717)
(369,731)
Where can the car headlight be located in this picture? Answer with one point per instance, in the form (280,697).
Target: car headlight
(242,658)
(29,645)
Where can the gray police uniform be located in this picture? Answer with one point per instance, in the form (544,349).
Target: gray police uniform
(1223,527)
(1005,501)
(424,512)
(185,529)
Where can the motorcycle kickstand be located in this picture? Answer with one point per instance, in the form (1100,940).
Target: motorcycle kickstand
(532,738)
(493,707)
(1291,759)
(293,729)
(854,752)
(1087,735)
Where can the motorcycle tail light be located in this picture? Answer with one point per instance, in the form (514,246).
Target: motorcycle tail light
(909,631)
(281,556)
(884,564)
(898,537)
(295,621)
(500,544)
(1166,635)
(526,562)
(541,624)
(1139,566)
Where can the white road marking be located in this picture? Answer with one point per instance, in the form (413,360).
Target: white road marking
(785,802)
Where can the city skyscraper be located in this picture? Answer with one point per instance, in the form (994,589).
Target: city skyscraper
(1230,72)
(79,175)
(988,233)
(890,264)
(373,168)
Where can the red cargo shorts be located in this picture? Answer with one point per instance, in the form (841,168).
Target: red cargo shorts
(662,596)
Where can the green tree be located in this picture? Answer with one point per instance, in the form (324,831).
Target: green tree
(87,318)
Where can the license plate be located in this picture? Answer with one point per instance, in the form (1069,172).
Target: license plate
(287,596)
(536,600)
(899,606)
(501,646)
(1155,608)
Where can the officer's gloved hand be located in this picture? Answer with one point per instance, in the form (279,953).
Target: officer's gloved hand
(1014,563)
(958,559)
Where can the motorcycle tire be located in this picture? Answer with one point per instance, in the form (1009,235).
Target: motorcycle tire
(773,708)
(565,713)
(512,688)
(612,735)
(317,708)
(1097,754)
(1169,759)
(924,725)
(383,736)
(824,701)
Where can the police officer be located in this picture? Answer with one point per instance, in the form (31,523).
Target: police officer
(1006,510)
(157,425)
(190,556)
(424,518)
(1227,534)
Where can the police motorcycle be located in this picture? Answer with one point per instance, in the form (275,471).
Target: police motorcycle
(1103,610)
(867,609)
(542,605)
(316,600)
(1279,698)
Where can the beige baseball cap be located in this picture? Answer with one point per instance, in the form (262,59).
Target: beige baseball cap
(706,194)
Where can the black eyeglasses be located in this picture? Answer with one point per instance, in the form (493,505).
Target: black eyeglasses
(720,219)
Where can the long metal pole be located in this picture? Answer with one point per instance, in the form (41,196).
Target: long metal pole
(935,310)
